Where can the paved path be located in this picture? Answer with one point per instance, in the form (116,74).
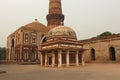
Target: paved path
(35,72)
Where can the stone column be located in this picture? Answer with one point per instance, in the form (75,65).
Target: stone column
(12,54)
(53,59)
(67,58)
(41,59)
(77,58)
(59,58)
(83,60)
(46,59)
(21,52)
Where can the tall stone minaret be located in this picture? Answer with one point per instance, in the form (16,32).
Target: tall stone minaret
(55,16)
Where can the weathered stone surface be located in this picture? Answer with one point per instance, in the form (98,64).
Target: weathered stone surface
(102,48)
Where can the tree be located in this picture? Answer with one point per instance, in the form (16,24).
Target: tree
(107,33)
(2,53)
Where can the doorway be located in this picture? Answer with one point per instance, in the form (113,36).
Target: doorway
(112,53)
(93,54)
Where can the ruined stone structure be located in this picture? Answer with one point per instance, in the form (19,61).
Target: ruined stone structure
(102,49)
(23,45)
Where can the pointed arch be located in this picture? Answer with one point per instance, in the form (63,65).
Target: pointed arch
(92,53)
(12,43)
(112,54)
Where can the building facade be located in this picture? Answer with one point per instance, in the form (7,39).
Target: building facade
(23,45)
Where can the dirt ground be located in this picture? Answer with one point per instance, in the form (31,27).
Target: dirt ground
(87,72)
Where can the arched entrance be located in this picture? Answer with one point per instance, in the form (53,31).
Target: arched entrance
(12,43)
(93,54)
(12,54)
(112,53)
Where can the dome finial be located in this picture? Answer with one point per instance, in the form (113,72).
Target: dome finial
(36,19)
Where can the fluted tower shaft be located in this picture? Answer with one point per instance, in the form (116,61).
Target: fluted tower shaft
(55,16)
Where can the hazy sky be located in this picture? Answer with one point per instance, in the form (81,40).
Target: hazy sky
(87,17)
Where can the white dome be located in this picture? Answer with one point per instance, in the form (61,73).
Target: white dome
(63,31)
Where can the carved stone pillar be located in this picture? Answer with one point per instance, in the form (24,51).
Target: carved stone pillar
(41,59)
(46,59)
(77,58)
(67,58)
(83,60)
(21,52)
(53,59)
(60,58)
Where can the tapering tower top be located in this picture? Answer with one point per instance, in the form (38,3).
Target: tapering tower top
(55,7)
(55,16)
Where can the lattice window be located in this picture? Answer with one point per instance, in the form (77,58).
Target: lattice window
(34,37)
(26,37)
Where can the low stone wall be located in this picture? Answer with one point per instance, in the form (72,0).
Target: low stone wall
(101,47)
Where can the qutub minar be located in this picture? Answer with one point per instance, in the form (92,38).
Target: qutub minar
(57,45)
